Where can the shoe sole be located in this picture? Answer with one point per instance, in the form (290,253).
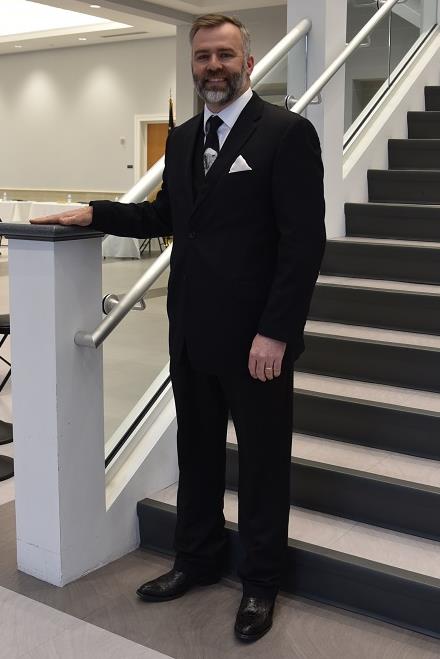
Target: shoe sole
(155,598)
(169,598)
(248,638)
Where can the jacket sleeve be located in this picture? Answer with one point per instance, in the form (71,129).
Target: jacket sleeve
(143,220)
(299,210)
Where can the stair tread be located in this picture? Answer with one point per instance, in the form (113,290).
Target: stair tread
(393,337)
(413,399)
(405,173)
(380,284)
(406,469)
(401,206)
(433,114)
(416,141)
(390,548)
(386,242)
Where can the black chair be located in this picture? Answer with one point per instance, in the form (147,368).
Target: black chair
(6,463)
(5,330)
(147,243)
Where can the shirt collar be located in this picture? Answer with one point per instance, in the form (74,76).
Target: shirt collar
(231,113)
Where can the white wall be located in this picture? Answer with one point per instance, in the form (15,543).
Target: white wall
(63,112)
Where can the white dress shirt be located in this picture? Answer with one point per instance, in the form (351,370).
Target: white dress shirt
(229,115)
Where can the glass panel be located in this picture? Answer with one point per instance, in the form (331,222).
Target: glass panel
(367,69)
(137,350)
(406,20)
(273,87)
(373,67)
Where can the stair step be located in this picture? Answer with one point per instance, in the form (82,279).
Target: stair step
(389,357)
(351,565)
(408,261)
(376,307)
(404,186)
(424,125)
(432,98)
(401,221)
(414,154)
(372,415)
(357,492)
(323,450)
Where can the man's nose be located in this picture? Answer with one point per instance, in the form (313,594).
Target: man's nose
(214,63)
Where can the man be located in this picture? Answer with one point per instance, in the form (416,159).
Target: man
(242,195)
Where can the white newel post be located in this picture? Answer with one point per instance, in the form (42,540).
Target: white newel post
(55,290)
(326,40)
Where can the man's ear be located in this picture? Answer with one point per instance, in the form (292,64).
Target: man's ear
(250,63)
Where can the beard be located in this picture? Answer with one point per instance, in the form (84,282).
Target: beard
(234,82)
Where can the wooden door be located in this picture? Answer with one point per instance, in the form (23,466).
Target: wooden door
(156,139)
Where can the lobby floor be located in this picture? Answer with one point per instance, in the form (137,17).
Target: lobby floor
(100,616)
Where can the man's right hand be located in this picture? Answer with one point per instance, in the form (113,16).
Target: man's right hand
(81,217)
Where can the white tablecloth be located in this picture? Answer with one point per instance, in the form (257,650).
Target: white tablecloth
(22,211)
(15,211)
(121,248)
(40,208)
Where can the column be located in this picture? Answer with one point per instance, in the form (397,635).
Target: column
(326,40)
(55,290)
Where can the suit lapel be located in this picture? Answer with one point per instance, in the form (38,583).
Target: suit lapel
(186,168)
(240,133)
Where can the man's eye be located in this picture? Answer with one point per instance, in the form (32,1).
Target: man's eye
(201,58)
(226,55)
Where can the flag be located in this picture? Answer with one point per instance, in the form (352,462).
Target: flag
(170,115)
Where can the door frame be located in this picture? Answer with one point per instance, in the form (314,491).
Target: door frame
(140,143)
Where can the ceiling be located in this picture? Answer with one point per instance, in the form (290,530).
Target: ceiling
(140,19)
(123,26)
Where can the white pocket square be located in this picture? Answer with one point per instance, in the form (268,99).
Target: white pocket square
(239,165)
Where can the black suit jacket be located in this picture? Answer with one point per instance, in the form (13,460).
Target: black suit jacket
(247,249)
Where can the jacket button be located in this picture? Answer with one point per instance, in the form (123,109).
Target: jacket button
(192,234)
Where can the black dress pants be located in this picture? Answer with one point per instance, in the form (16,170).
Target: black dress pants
(262,416)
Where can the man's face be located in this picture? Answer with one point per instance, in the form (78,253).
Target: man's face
(220,70)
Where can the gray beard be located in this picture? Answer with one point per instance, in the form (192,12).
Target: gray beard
(215,96)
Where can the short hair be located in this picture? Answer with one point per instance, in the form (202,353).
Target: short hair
(215,20)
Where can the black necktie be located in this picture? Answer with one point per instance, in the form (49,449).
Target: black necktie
(212,146)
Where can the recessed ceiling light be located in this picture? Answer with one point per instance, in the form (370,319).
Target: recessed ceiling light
(82,38)
(95,6)
(18,46)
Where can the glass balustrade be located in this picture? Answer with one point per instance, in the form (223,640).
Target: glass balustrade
(375,65)
(273,87)
(136,352)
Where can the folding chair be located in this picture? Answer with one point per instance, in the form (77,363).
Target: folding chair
(5,330)
(6,463)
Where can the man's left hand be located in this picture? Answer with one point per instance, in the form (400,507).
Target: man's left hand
(265,358)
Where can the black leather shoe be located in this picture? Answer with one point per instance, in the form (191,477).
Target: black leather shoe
(254,618)
(171,585)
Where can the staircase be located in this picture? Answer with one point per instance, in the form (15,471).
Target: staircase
(365,496)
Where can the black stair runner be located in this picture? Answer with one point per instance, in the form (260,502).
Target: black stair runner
(375,307)
(367,423)
(399,221)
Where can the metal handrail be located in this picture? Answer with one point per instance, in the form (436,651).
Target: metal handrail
(316,88)
(147,184)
